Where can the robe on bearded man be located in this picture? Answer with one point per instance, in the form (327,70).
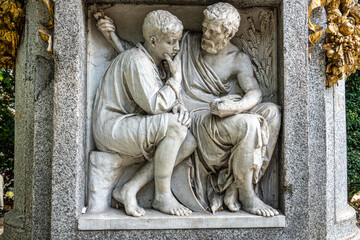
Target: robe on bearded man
(227,147)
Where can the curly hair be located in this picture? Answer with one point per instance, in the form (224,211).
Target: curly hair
(160,22)
(226,14)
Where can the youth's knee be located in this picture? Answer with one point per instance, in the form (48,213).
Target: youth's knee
(175,128)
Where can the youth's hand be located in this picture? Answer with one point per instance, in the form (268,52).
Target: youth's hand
(174,66)
(183,114)
(106,27)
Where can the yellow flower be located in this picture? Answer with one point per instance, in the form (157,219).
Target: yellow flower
(9,194)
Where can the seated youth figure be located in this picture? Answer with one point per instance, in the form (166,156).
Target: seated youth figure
(131,114)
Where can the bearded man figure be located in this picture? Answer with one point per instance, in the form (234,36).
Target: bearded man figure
(235,132)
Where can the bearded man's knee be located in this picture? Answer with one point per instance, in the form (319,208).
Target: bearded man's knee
(252,122)
(272,112)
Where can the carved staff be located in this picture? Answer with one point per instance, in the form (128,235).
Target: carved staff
(101,18)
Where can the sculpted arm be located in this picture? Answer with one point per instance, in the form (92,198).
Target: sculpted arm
(249,85)
(146,88)
(234,104)
(106,26)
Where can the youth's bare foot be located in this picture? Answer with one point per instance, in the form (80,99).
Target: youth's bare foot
(231,199)
(128,199)
(169,205)
(251,203)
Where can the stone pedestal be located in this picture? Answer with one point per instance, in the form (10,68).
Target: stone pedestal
(52,145)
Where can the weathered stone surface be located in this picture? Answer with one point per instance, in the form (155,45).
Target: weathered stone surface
(318,140)
(33,133)
(43,150)
(68,157)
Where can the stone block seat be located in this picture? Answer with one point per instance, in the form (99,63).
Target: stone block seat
(104,171)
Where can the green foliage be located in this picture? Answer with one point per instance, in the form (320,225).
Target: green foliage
(353,132)
(7,122)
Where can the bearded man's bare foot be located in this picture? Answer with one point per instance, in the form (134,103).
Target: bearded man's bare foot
(216,203)
(128,199)
(231,199)
(168,204)
(251,203)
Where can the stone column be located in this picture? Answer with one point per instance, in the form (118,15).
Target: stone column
(30,217)
(345,216)
(68,156)
(331,217)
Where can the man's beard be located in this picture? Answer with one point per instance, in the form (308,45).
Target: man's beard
(212,47)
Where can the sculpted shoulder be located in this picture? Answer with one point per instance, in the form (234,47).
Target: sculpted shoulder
(133,57)
(241,56)
(241,60)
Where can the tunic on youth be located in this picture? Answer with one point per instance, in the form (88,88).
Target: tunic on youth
(129,113)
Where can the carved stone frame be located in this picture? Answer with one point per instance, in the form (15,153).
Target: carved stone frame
(308,140)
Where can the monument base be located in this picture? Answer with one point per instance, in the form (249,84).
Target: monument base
(116,219)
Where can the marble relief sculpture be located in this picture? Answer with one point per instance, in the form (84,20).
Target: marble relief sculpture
(131,113)
(235,132)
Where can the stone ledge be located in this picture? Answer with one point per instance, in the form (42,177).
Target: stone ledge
(115,219)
